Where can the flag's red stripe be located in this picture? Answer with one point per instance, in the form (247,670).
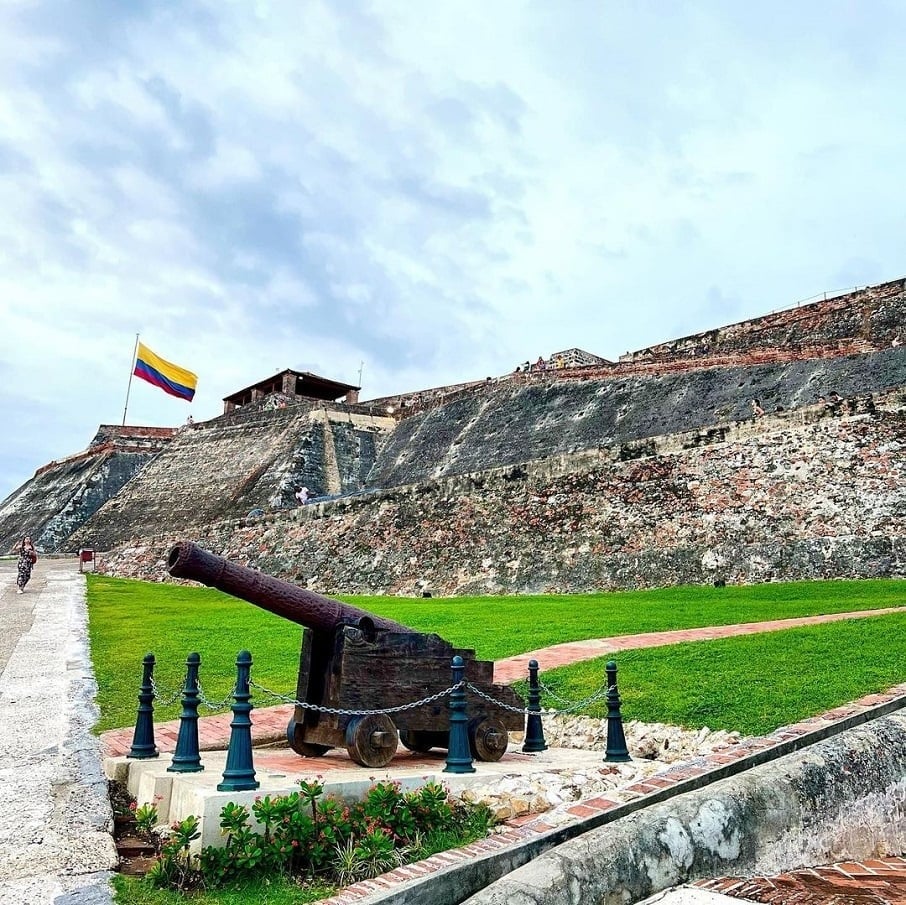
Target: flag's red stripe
(146,372)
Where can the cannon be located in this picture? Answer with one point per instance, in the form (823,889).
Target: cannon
(352,660)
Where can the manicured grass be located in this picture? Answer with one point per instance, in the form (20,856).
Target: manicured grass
(502,626)
(134,891)
(130,618)
(752,683)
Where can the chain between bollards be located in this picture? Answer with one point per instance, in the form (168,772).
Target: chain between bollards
(143,746)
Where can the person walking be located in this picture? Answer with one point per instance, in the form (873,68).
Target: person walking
(28,556)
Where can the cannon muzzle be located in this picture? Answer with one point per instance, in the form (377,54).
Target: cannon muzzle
(187,560)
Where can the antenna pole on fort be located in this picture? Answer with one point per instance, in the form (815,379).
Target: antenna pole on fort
(129,385)
(361,368)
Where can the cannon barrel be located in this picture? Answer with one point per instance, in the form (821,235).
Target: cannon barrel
(187,560)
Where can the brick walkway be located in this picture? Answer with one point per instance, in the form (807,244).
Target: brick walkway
(513,668)
(879,881)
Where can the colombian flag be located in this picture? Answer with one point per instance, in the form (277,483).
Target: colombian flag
(169,377)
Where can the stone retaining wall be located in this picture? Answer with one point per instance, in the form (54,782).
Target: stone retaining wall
(876,313)
(64,494)
(237,464)
(128,489)
(532,416)
(841,799)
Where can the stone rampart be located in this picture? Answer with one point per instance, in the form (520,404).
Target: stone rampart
(239,463)
(231,478)
(64,494)
(532,416)
(875,313)
(818,493)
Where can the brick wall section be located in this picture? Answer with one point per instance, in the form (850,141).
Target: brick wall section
(518,420)
(854,323)
(227,467)
(813,494)
(114,438)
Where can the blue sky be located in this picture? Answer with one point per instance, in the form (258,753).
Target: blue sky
(439,191)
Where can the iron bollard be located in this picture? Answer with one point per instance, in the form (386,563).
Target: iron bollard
(186,757)
(616,742)
(239,774)
(459,754)
(534,731)
(143,746)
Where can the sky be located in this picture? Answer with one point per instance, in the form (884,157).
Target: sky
(420,193)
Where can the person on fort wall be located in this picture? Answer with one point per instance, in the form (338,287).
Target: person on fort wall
(28,556)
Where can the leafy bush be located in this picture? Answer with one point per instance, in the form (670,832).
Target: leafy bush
(306,836)
(176,867)
(145,820)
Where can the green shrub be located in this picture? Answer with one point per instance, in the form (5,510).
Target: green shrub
(306,836)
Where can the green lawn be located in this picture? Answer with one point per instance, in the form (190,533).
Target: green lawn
(752,683)
(279,891)
(129,618)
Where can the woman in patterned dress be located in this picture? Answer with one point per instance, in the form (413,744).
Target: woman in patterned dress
(27,559)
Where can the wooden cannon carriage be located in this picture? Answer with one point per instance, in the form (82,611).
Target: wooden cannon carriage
(352,660)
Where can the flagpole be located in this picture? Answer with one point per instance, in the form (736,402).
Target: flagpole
(129,385)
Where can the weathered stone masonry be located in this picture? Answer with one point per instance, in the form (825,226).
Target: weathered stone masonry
(236,464)
(519,421)
(816,494)
(63,495)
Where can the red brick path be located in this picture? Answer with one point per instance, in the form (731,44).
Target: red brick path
(513,668)
(879,881)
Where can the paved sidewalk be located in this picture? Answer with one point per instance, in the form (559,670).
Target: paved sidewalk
(55,822)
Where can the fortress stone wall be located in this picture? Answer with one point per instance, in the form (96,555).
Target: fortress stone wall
(238,463)
(875,313)
(538,415)
(817,493)
(652,470)
(63,495)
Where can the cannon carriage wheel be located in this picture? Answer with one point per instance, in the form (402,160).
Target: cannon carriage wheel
(372,740)
(303,749)
(488,738)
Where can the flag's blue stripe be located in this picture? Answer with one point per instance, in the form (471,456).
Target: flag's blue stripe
(146,372)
